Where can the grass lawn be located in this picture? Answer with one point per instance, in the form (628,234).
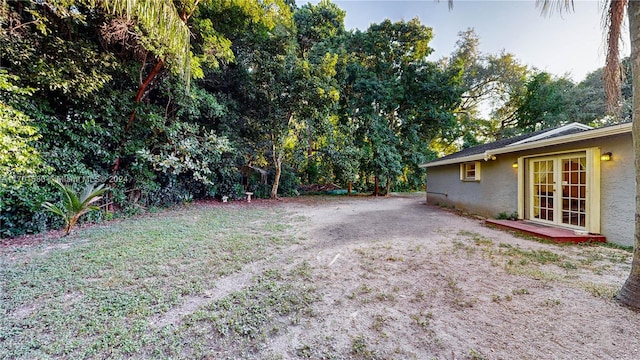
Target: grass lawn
(100,292)
(373,278)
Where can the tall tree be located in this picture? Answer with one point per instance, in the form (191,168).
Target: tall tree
(543,103)
(587,99)
(274,74)
(395,98)
(318,28)
(384,54)
(164,15)
(490,82)
(210,45)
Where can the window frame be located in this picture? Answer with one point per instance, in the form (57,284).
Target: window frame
(466,168)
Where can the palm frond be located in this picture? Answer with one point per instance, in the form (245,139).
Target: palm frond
(91,194)
(612,21)
(449,3)
(86,210)
(53,208)
(549,7)
(67,201)
(75,202)
(160,19)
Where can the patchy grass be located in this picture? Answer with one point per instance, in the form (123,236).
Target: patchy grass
(379,322)
(522,256)
(595,257)
(476,355)
(94,293)
(551,303)
(360,348)
(533,272)
(148,288)
(628,249)
(604,291)
(422,320)
(520,292)
(237,325)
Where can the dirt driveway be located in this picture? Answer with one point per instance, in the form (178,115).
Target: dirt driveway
(311,277)
(401,279)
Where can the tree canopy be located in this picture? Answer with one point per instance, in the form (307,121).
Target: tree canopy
(168,101)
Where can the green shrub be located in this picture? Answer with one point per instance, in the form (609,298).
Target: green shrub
(187,149)
(289,182)
(20,206)
(21,168)
(505,216)
(262,191)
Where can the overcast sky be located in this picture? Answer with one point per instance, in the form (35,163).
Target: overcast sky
(568,44)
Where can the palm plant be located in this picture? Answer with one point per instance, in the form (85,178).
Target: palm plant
(74,206)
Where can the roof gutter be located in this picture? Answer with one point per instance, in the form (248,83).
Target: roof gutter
(475,157)
(490,154)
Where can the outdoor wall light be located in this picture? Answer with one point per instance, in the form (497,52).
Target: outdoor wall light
(514,165)
(605,156)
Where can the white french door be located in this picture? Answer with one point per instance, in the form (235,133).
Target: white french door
(558,190)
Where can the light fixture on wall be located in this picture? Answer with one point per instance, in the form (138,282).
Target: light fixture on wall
(605,156)
(514,165)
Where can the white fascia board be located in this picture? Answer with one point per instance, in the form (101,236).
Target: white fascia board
(546,134)
(559,140)
(475,157)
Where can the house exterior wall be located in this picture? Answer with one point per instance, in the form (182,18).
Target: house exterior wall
(618,193)
(496,192)
(497,189)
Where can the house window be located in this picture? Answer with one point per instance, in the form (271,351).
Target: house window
(470,171)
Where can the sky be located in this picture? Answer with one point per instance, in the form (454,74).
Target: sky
(569,44)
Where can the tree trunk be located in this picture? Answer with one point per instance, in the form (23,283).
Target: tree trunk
(309,143)
(376,187)
(277,163)
(629,295)
(388,189)
(349,187)
(142,89)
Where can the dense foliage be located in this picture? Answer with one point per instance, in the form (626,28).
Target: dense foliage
(504,98)
(91,92)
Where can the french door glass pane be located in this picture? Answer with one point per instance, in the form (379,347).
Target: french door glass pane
(574,190)
(543,187)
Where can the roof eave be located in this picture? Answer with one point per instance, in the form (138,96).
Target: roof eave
(475,157)
(586,135)
(564,139)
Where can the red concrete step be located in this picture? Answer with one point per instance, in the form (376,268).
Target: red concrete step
(555,234)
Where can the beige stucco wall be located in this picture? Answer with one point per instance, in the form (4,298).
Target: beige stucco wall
(497,190)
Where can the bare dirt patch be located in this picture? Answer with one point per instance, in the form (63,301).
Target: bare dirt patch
(316,277)
(401,279)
